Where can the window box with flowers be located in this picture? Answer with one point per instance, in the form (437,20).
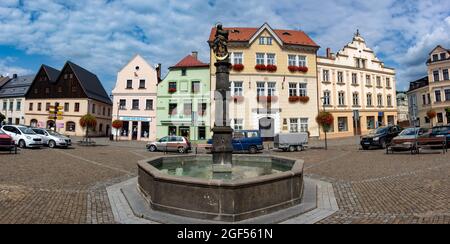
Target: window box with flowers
(238,99)
(293,68)
(172,90)
(267,99)
(294,99)
(271,68)
(304,99)
(260,67)
(238,67)
(303,69)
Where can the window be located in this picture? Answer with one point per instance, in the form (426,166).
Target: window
(304,125)
(238,124)
(326,75)
(271,89)
(172,86)
(238,88)
(238,58)
(77,107)
(340,77)
(355,99)
(326,98)
(183,72)
(39,108)
(93,108)
(380,100)
(368,80)
(36,91)
(74,89)
(47,90)
(440,118)
(370,122)
(389,101)
(47,107)
(187,109)
(269,40)
(129,84)
(202,108)
(360,63)
(429,98)
(293,126)
(18,105)
(66,107)
(292,60)
(11,105)
(59,89)
(354,79)
(70,126)
(302,61)
(260,89)
(142,84)
(31,107)
(443,56)
(122,104)
(341,96)
(271,59)
(292,89)
(173,109)
(103,111)
(303,89)
(436,75)
(438,97)
(388,82)
(262,40)
(109,111)
(427,120)
(195,87)
(260,58)
(369,100)
(5,105)
(378,81)
(342,124)
(135,104)
(149,104)
(435,57)
(447,94)
(445,74)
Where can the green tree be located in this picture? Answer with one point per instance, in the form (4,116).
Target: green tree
(2,118)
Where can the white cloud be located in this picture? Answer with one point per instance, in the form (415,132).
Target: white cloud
(7,69)
(103,34)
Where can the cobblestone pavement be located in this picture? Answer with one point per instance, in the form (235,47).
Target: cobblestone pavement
(69,186)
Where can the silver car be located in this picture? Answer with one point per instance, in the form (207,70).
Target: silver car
(53,139)
(170,143)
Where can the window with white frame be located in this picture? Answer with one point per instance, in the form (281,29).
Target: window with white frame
(293,126)
(271,89)
(436,75)
(369,100)
(292,60)
(269,40)
(237,58)
(238,124)
(262,40)
(326,98)
(340,77)
(326,75)
(303,89)
(292,89)
(380,100)
(354,79)
(260,58)
(341,99)
(271,59)
(368,80)
(388,82)
(389,101)
(355,99)
(378,81)
(304,125)
(260,89)
(302,61)
(238,88)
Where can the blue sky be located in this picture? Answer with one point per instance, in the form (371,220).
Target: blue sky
(102,35)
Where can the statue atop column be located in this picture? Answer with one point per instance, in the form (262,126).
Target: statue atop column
(220,45)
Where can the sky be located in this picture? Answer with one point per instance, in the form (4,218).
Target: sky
(103,35)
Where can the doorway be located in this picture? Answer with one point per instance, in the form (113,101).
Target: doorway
(357,126)
(267,128)
(185,132)
(134,130)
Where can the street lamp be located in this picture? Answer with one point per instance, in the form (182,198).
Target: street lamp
(324,130)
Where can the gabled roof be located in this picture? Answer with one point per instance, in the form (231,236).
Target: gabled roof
(190,62)
(3,80)
(437,47)
(52,73)
(16,87)
(90,83)
(244,34)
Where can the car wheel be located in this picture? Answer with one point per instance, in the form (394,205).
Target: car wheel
(253,150)
(51,144)
(152,148)
(299,148)
(22,144)
(292,149)
(181,150)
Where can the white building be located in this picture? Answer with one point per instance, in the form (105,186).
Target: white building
(12,95)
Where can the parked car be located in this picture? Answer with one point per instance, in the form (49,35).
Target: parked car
(170,144)
(23,136)
(441,131)
(407,138)
(380,137)
(6,141)
(291,141)
(53,139)
(246,141)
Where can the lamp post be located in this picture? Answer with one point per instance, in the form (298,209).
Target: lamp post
(324,129)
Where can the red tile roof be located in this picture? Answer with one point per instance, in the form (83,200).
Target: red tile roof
(291,37)
(190,62)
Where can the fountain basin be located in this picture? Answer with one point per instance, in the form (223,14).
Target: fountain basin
(259,185)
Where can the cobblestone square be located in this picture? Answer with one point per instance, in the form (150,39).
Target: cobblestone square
(69,186)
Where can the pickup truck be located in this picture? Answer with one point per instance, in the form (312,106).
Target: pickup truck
(245,141)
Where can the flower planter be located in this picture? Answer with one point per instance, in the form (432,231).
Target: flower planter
(260,67)
(238,99)
(267,99)
(294,99)
(293,68)
(271,68)
(304,99)
(238,67)
(303,69)
(172,90)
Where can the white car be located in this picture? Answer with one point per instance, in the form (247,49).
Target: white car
(53,139)
(23,136)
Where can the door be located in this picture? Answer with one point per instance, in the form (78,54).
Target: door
(134,130)
(185,132)
(267,128)
(162,143)
(357,127)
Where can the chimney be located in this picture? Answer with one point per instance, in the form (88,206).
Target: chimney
(329,55)
(195,54)
(158,72)
(14,76)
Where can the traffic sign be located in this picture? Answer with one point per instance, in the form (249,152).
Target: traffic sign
(59,118)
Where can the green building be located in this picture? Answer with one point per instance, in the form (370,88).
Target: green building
(184,100)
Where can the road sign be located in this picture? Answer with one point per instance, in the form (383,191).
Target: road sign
(59,118)
(60,108)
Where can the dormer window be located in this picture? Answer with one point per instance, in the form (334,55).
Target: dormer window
(265,40)
(286,34)
(435,57)
(443,56)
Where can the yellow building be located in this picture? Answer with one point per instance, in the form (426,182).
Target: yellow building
(357,88)
(273,80)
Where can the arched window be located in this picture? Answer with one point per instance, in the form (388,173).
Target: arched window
(33,123)
(70,126)
(100,128)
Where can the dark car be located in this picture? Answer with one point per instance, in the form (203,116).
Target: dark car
(441,131)
(380,137)
(246,141)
